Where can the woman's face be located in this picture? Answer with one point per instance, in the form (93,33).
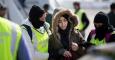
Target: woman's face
(62,23)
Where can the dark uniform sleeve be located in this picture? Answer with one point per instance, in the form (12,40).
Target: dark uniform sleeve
(89,38)
(85,21)
(112,38)
(87,43)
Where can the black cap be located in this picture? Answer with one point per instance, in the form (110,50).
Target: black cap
(36,11)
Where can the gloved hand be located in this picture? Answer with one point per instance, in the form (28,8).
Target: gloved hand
(86,44)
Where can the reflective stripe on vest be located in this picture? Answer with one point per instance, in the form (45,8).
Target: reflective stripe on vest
(16,37)
(80,25)
(41,42)
(8,41)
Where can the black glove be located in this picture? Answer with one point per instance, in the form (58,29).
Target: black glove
(86,44)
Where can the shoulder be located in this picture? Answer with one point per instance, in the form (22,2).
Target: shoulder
(47,24)
(51,39)
(27,22)
(81,10)
(92,32)
(113,35)
(49,14)
(77,33)
(113,32)
(51,36)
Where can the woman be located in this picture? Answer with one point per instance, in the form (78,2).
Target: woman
(63,43)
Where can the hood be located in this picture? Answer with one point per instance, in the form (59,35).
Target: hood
(72,19)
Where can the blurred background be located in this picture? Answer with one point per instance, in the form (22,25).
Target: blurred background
(17,10)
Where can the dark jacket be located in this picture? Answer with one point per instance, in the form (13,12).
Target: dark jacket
(56,47)
(111,16)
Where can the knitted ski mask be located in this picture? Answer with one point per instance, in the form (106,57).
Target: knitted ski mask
(101,18)
(34,16)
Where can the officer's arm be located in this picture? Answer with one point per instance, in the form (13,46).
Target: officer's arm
(112,38)
(85,21)
(22,51)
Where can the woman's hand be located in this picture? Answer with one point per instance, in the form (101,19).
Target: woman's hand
(67,54)
(74,46)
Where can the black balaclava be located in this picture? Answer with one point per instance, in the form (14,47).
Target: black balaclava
(101,31)
(34,16)
(65,33)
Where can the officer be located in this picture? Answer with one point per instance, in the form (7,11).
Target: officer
(12,44)
(36,30)
(83,19)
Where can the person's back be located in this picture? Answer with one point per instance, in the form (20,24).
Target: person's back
(111,14)
(12,43)
(9,40)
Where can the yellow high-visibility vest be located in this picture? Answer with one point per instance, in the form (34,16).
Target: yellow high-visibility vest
(41,40)
(80,25)
(40,43)
(97,41)
(10,35)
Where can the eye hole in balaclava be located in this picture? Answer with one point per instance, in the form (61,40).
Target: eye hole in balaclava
(34,16)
